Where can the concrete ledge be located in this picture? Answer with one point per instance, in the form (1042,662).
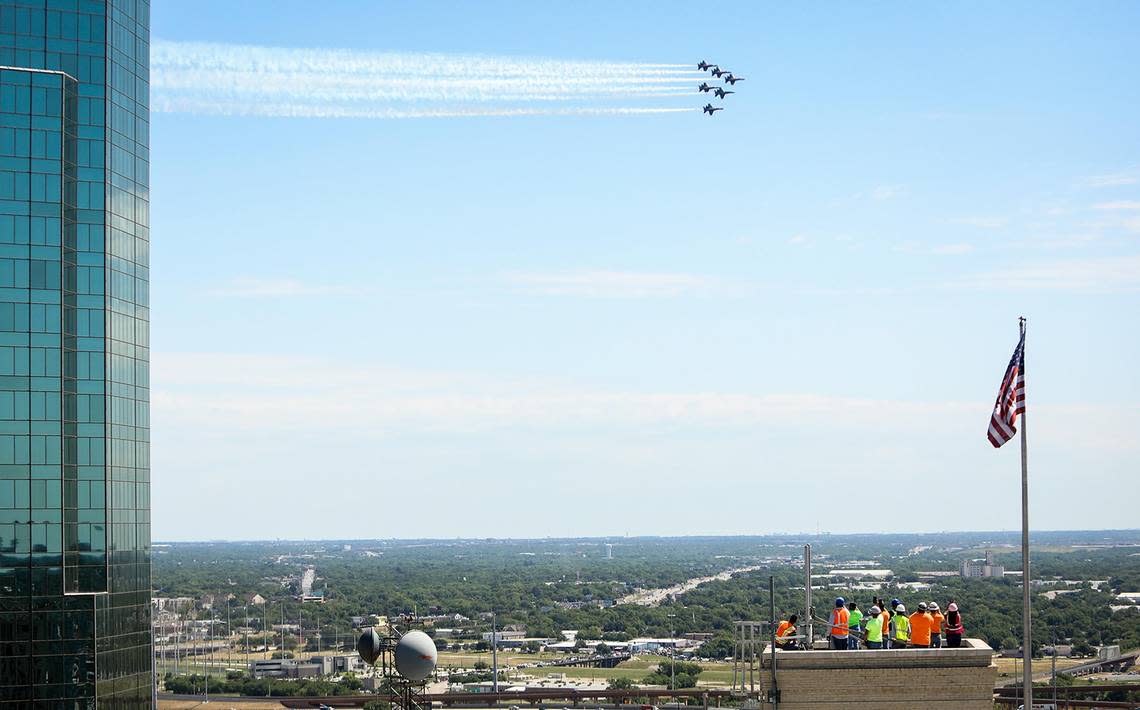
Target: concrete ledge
(961,678)
(974,653)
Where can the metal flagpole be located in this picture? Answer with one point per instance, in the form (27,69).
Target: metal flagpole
(1027,621)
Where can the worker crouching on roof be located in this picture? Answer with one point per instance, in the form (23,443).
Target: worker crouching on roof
(839,630)
(786,629)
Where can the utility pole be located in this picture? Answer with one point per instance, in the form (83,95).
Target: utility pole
(673,657)
(1054,682)
(209,650)
(494,655)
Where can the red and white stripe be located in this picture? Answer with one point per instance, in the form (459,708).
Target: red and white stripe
(1010,400)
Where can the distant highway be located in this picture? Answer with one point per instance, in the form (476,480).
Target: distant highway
(654,597)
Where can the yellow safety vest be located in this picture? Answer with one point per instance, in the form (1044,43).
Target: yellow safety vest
(902,626)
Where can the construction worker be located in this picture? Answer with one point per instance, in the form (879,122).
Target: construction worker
(936,627)
(889,629)
(854,626)
(874,634)
(920,623)
(900,627)
(954,627)
(787,628)
(885,615)
(838,625)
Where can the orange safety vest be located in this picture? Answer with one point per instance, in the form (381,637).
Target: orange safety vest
(839,619)
(936,628)
(785,629)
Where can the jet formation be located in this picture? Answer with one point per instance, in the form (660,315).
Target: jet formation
(718,91)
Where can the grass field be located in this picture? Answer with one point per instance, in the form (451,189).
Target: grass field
(714,674)
(1011,667)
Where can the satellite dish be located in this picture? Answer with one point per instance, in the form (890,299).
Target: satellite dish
(368,646)
(415,656)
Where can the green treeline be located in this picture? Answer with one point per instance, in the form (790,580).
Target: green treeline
(236,683)
(550,585)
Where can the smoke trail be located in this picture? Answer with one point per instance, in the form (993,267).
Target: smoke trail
(221,79)
(331,111)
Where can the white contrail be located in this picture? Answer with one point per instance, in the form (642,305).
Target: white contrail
(332,111)
(223,79)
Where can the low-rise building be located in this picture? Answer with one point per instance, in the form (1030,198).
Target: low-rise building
(649,645)
(985,567)
(331,665)
(314,667)
(283,668)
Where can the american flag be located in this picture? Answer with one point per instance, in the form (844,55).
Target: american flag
(1011,397)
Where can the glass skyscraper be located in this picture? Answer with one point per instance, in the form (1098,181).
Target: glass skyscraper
(74,354)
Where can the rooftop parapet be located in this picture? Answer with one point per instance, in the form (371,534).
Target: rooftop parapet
(895,679)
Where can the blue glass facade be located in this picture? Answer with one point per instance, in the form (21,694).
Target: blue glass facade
(74,354)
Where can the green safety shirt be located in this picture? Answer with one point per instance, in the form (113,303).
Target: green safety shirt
(854,619)
(875,629)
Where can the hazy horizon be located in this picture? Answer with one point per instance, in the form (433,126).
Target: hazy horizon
(800,535)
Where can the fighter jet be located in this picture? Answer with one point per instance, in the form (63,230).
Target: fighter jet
(721,93)
(704,88)
(704,66)
(710,109)
(730,79)
(718,72)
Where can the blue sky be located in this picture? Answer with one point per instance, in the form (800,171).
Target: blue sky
(582,321)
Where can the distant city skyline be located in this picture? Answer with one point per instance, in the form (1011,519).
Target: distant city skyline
(489,307)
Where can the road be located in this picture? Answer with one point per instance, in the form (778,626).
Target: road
(653,597)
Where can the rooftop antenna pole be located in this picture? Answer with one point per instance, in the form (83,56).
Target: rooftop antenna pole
(774,694)
(808,640)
